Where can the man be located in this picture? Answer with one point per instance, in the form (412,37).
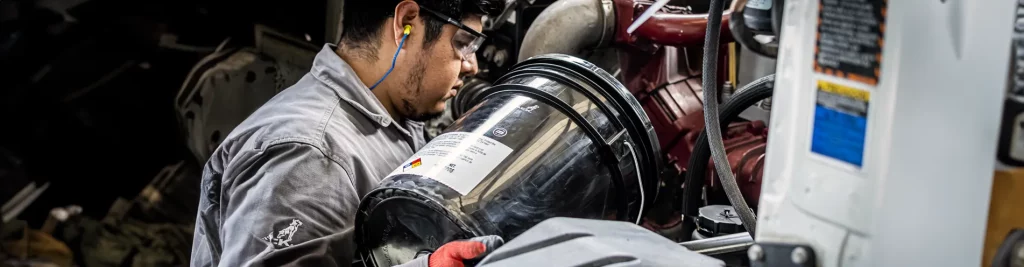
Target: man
(284,186)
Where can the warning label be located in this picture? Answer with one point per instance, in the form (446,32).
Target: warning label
(840,122)
(459,160)
(850,39)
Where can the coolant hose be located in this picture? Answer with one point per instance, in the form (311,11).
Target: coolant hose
(696,169)
(711,121)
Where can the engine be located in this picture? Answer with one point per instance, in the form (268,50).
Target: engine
(659,63)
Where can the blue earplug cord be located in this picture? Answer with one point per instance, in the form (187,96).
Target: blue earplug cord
(408,29)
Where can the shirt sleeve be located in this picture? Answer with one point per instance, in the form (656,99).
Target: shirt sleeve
(288,205)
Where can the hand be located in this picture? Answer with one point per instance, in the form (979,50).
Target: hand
(453,253)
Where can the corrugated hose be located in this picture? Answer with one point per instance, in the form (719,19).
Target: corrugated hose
(711,123)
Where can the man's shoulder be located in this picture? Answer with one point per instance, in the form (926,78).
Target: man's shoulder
(302,114)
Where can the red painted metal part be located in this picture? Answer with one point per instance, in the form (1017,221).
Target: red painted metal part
(745,146)
(668,106)
(665,28)
(680,29)
(670,90)
(669,87)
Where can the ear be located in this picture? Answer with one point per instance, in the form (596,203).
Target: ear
(406,13)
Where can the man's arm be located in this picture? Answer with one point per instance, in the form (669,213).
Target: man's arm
(288,205)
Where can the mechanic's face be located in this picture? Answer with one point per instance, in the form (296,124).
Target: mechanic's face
(436,75)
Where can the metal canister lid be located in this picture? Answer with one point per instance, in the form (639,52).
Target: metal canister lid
(715,220)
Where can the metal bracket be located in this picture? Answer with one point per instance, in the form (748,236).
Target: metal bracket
(781,255)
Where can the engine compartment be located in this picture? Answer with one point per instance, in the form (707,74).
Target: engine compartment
(192,84)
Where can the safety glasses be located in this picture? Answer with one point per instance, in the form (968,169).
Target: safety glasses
(466,40)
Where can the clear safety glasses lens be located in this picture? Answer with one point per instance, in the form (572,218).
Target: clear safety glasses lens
(466,43)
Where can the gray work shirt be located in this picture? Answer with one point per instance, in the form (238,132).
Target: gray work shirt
(284,186)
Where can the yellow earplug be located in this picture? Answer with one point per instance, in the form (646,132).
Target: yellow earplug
(408,29)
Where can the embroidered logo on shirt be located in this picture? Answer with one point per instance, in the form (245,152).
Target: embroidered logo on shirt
(284,237)
(212,187)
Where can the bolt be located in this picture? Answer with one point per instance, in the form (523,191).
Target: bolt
(799,256)
(755,253)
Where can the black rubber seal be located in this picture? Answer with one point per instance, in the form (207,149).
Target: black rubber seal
(619,99)
(380,195)
(603,146)
(549,74)
(617,96)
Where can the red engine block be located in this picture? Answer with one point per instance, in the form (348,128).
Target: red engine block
(667,82)
(745,144)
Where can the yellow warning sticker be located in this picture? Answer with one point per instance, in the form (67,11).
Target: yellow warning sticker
(843,90)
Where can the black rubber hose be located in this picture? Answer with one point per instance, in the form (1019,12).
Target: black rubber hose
(711,121)
(696,169)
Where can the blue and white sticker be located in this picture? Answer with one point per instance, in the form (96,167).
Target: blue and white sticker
(840,123)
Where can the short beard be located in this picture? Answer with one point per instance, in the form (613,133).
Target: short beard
(423,116)
(415,81)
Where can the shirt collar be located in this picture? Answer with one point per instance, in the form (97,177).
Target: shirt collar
(337,74)
(330,69)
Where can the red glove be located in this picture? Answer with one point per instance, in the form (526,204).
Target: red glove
(454,253)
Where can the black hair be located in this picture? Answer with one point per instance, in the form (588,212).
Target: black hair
(362,19)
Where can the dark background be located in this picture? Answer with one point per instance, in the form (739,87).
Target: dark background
(86,89)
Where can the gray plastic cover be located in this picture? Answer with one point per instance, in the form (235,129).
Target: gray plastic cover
(582,242)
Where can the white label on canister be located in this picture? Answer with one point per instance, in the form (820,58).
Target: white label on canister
(459,160)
